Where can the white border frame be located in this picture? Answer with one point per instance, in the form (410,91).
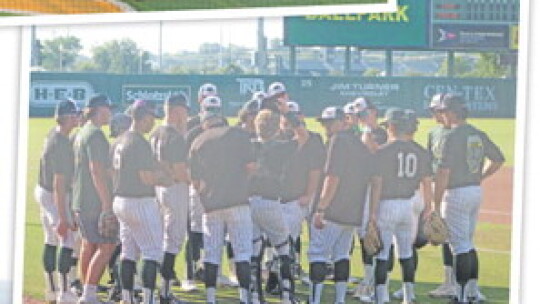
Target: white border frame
(390,6)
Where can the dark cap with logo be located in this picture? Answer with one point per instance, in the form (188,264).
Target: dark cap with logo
(141,108)
(452,102)
(66,107)
(99,100)
(177,100)
(394,116)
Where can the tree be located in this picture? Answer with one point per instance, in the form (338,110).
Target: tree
(488,66)
(122,57)
(59,54)
(462,66)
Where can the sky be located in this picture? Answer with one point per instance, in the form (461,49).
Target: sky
(176,35)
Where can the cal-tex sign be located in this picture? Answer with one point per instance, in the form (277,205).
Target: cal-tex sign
(48,93)
(153,93)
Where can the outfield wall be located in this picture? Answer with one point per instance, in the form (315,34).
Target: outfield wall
(485,97)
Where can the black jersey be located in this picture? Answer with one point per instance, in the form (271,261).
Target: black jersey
(57,158)
(350,160)
(304,159)
(464,151)
(401,165)
(132,154)
(218,159)
(272,158)
(168,145)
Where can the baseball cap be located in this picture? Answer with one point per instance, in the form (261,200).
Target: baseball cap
(259,95)
(211,103)
(350,108)
(140,108)
(207,89)
(293,106)
(276,88)
(452,102)
(394,116)
(362,104)
(436,101)
(120,122)
(66,107)
(411,121)
(331,113)
(179,99)
(99,100)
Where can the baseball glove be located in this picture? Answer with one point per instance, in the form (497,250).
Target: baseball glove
(372,240)
(421,239)
(435,229)
(108,224)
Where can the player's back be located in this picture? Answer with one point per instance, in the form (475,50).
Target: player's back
(401,165)
(218,158)
(464,152)
(131,155)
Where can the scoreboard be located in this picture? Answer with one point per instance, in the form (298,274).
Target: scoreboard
(475,11)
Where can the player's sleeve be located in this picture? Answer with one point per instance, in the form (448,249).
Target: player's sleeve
(98,149)
(336,156)
(449,152)
(493,152)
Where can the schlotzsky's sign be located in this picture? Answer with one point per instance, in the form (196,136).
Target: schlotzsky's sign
(152,93)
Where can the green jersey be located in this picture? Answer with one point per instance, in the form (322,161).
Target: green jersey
(89,146)
(435,143)
(464,151)
(57,158)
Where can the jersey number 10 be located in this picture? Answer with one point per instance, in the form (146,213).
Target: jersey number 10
(407,164)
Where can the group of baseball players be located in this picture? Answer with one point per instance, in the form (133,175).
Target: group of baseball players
(130,205)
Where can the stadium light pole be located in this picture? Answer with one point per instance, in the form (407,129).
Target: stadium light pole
(160,45)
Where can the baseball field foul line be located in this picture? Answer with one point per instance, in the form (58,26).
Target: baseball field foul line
(64,6)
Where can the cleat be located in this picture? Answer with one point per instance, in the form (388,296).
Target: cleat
(67,297)
(76,287)
(50,297)
(189,286)
(225,281)
(364,293)
(445,290)
(398,294)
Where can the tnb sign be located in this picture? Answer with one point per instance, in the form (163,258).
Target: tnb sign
(49,93)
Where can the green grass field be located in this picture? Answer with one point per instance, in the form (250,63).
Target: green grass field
(152,5)
(492,240)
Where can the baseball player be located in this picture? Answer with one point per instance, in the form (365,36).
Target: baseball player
(52,193)
(225,199)
(351,117)
(276,98)
(401,166)
(91,194)
(373,136)
(347,176)
(301,177)
(170,151)
(135,176)
(206,90)
(434,146)
(457,186)
(120,123)
(266,190)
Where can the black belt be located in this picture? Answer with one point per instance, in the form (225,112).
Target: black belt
(463,186)
(270,198)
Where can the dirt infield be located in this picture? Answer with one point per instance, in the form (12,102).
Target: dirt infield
(497,203)
(60,6)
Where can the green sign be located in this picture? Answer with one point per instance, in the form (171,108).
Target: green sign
(406,28)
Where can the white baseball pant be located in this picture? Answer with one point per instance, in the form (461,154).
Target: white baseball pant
(331,243)
(395,219)
(141,228)
(236,221)
(268,219)
(365,218)
(418,207)
(196,210)
(50,219)
(294,215)
(173,202)
(460,208)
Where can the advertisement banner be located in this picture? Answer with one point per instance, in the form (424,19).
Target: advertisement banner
(469,36)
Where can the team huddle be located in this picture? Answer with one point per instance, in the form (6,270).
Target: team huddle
(201,185)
